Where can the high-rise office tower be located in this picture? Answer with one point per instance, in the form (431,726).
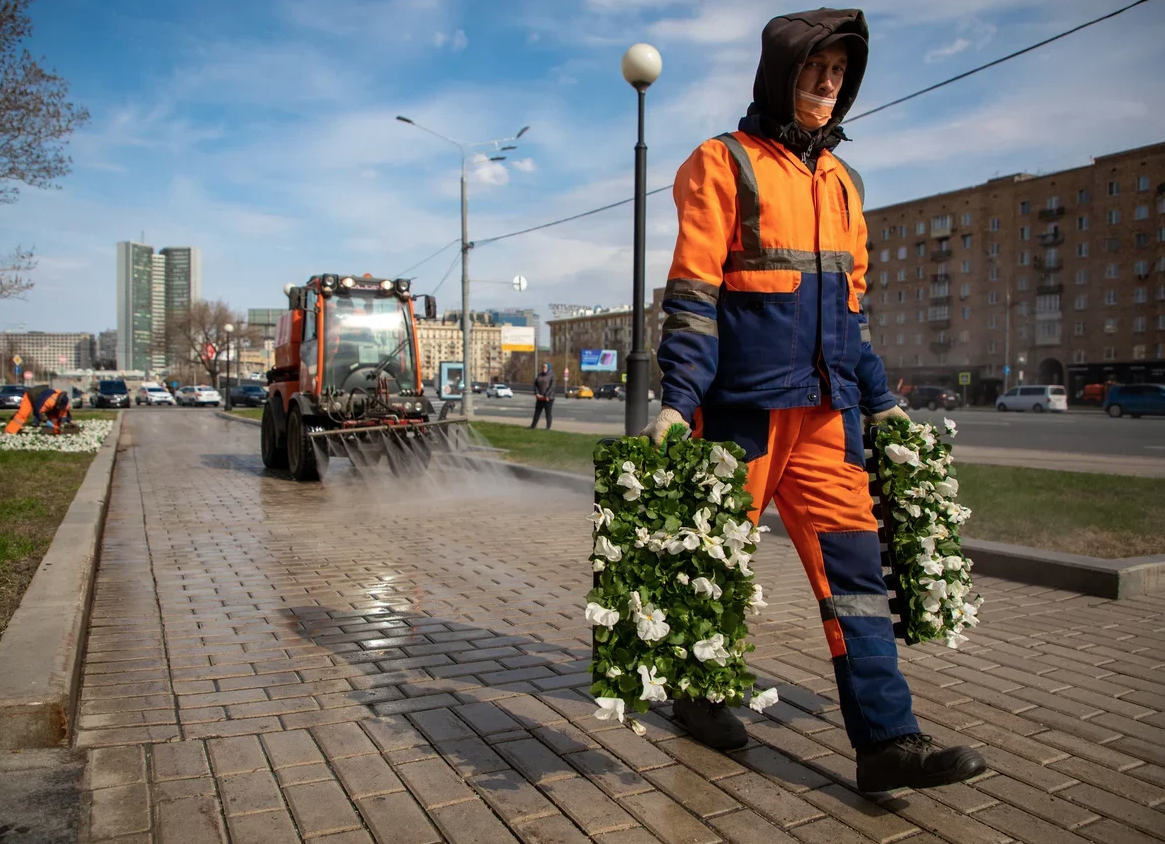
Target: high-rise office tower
(153,289)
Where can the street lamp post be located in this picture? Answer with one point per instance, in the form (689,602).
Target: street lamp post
(229,328)
(466,346)
(641,67)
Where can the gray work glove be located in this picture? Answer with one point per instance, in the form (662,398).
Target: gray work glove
(893,413)
(657,428)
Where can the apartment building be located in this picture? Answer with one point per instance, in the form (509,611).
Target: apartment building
(43,352)
(606,328)
(441,340)
(1053,279)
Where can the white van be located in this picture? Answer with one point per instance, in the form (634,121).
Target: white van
(1036,397)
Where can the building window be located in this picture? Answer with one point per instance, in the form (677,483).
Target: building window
(918,360)
(1082,195)
(918,339)
(901,253)
(902,231)
(966,267)
(900,318)
(883,278)
(992,346)
(1161,293)
(965,313)
(1047,304)
(1082,302)
(1161,235)
(920,227)
(1082,250)
(1022,309)
(885,256)
(920,294)
(1139,352)
(1023,332)
(994,224)
(965,289)
(1161,205)
(966,218)
(1112,244)
(1138,325)
(1140,240)
(966,241)
(1140,295)
(1079,328)
(1024,259)
(899,339)
(1025,207)
(993,250)
(1021,283)
(1025,233)
(920,273)
(885,297)
(920,250)
(1082,223)
(993,274)
(1111,270)
(885,236)
(1082,276)
(1110,352)
(901,275)
(993,297)
(1110,297)
(1053,202)
(943,221)
(1114,188)
(1141,212)
(882,319)
(1142,183)
(921,316)
(1113,216)
(1110,325)
(1141,268)
(1078,355)
(1161,322)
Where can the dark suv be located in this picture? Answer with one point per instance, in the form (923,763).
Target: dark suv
(609,391)
(932,398)
(111,393)
(248,395)
(11,395)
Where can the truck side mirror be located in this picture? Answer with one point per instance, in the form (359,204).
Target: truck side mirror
(430,307)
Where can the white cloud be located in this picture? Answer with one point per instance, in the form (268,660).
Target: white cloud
(486,172)
(460,41)
(938,54)
(439,39)
(525,165)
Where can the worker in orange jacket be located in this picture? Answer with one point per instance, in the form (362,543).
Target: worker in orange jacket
(45,405)
(766,344)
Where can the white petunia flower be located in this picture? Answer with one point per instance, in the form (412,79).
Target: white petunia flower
(704,586)
(638,728)
(936,591)
(598,566)
(653,686)
(634,488)
(634,606)
(629,467)
(682,653)
(662,478)
(642,537)
(702,520)
(725,463)
(682,578)
(652,624)
(601,517)
(610,708)
(613,672)
(953,563)
(736,536)
(683,541)
(914,510)
(762,701)
(684,683)
(716,697)
(757,602)
(950,426)
(947,488)
(714,549)
(711,649)
(597,614)
(930,565)
(955,639)
(901,454)
(605,548)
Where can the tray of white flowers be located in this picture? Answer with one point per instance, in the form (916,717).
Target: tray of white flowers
(672,584)
(87,438)
(914,488)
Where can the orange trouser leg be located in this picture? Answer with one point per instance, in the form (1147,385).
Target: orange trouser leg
(17,422)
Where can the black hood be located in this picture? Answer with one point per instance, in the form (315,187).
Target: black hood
(787,41)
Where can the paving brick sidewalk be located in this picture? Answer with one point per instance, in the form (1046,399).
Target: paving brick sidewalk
(273,662)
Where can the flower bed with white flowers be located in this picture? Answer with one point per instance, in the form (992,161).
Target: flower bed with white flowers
(672,546)
(93,432)
(918,486)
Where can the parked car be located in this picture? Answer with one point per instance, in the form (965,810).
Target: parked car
(1037,397)
(609,391)
(901,401)
(580,392)
(77,399)
(248,395)
(932,398)
(1135,400)
(200,396)
(110,393)
(480,386)
(152,394)
(11,395)
(498,391)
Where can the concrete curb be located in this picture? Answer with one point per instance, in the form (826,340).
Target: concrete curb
(231,417)
(1113,579)
(42,650)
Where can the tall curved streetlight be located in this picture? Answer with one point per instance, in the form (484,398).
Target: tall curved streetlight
(641,67)
(498,145)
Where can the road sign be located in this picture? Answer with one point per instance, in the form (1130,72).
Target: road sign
(964,379)
(1006,370)
(62,360)
(28,376)
(519,282)
(17,359)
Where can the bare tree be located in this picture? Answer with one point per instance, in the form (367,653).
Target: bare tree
(36,118)
(200,334)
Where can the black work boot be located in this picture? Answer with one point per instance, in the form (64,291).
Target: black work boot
(710,723)
(914,761)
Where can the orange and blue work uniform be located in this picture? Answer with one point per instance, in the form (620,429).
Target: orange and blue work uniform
(43,404)
(766,344)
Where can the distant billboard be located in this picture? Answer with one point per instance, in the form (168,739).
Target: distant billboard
(517,338)
(450,380)
(598,360)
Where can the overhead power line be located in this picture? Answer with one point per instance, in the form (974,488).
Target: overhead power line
(849,120)
(430,258)
(444,277)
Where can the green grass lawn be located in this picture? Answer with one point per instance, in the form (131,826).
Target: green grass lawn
(1096,515)
(37,489)
(249,412)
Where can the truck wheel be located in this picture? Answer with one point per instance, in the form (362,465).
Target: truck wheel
(932,405)
(301,453)
(274,457)
(1115,411)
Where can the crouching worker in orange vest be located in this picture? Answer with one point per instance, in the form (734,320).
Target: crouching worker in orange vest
(766,344)
(45,405)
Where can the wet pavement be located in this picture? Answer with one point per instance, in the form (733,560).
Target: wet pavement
(359,661)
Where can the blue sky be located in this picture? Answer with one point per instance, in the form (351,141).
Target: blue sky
(263,131)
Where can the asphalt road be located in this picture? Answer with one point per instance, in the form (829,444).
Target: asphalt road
(1084,432)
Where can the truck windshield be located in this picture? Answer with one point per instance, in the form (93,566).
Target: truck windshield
(363,332)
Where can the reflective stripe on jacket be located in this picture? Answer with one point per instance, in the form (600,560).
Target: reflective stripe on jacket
(769,268)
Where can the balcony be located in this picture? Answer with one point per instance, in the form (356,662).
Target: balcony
(941,255)
(940,299)
(1053,238)
(939,278)
(939,324)
(1053,340)
(1047,267)
(941,346)
(941,231)
(1049,288)
(1053,214)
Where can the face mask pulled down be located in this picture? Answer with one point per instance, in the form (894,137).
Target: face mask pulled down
(812,111)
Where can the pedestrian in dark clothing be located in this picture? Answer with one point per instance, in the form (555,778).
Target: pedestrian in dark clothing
(543,395)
